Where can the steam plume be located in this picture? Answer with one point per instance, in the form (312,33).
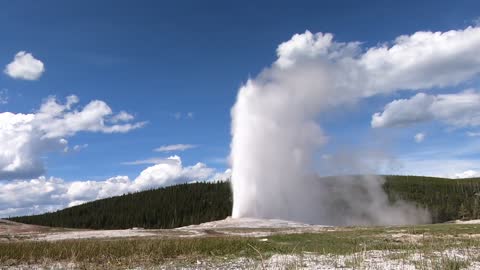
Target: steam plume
(276,134)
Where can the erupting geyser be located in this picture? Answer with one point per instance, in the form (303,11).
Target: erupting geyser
(276,133)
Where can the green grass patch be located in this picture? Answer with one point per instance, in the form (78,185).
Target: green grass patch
(154,251)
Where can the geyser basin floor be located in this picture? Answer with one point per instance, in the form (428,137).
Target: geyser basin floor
(242,227)
(266,244)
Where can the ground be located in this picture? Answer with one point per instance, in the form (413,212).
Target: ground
(243,244)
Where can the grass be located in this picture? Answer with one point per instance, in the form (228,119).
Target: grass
(429,240)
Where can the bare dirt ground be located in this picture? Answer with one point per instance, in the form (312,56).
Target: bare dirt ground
(245,227)
(252,227)
(11,231)
(473,221)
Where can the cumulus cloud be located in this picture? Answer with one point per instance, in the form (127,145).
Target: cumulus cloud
(25,137)
(57,120)
(458,110)
(174,147)
(169,172)
(47,194)
(222,176)
(24,66)
(122,117)
(420,61)
(419,137)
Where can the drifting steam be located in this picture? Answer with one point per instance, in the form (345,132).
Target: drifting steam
(276,134)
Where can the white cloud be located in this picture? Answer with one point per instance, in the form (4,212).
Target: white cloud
(79,147)
(24,66)
(420,61)
(174,147)
(47,194)
(151,161)
(25,137)
(467,174)
(458,110)
(419,137)
(165,173)
(222,176)
(122,117)
(57,120)
(436,164)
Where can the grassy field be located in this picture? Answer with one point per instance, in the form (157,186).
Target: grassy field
(342,246)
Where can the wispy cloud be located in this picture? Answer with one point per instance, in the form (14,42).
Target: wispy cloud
(151,161)
(79,147)
(218,160)
(175,147)
(3,96)
(181,115)
(473,134)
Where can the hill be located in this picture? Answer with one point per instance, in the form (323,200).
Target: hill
(168,207)
(187,204)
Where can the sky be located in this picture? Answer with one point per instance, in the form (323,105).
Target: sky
(101,98)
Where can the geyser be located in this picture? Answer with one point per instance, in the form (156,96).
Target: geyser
(275,132)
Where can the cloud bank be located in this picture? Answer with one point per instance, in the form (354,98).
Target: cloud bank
(25,137)
(25,67)
(456,110)
(43,194)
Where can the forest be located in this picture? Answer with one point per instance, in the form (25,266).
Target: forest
(186,204)
(168,207)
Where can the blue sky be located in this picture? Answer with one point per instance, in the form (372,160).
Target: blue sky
(178,66)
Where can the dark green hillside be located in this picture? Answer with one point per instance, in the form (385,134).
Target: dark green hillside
(169,207)
(187,204)
(447,199)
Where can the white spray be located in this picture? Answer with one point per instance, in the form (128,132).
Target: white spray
(276,133)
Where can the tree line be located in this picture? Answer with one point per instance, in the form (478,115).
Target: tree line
(446,199)
(195,203)
(162,208)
